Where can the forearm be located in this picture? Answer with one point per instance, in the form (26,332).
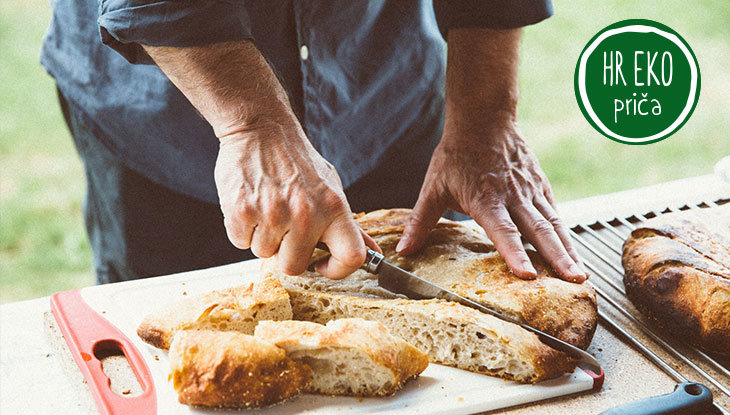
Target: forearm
(481,77)
(229,83)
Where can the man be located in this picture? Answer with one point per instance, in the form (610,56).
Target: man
(355,120)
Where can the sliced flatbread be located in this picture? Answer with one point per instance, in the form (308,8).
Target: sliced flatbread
(231,309)
(463,260)
(348,356)
(449,333)
(228,369)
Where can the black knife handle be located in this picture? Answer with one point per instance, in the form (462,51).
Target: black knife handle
(687,398)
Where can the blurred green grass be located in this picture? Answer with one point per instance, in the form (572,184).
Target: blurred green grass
(42,239)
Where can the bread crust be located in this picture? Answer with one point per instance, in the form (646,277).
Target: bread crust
(218,369)
(237,308)
(677,273)
(545,362)
(463,260)
(370,338)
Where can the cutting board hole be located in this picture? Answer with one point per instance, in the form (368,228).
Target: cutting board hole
(693,389)
(116,367)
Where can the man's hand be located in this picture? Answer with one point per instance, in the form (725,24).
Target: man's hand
(483,167)
(281,199)
(278,195)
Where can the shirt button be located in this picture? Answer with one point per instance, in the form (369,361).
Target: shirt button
(304,52)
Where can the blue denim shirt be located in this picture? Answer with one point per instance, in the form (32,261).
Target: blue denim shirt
(371,76)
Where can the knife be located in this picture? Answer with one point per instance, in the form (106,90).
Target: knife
(400,281)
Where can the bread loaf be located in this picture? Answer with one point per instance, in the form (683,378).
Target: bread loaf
(449,333)
(347,356)
(228,369)
(463,260)
(237,309)
(677,272)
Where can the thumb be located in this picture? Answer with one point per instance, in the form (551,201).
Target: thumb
(370,242)
(423,218)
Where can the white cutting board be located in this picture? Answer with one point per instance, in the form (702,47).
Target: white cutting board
(439,389)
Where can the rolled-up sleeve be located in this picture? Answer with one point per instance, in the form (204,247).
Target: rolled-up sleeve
(493,14)
(124,25)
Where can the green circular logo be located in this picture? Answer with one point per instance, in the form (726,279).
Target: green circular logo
(637,81)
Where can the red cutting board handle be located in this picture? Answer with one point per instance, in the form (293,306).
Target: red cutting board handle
(87,334)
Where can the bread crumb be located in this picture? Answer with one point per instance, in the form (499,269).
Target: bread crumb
(126,392)
(48,354)
(185,293)
(157,357)
(361,400)
(460,399)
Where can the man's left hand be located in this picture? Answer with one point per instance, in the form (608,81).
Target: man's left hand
(494,177)
(482,167)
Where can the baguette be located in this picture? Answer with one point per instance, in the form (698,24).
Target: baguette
(677,273)
(237,309)
(449,333)
(228,369)
(347,356)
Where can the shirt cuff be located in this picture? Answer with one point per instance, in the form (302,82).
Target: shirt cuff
(124,25)
(492,14)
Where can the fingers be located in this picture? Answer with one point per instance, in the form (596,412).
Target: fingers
(506,238)
(549,213)
(422,219)
(239,234)
(295,251)
(542,233)
(265,241)
(548,193)
(347,248)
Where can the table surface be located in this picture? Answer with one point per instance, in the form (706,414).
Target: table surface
(37,375)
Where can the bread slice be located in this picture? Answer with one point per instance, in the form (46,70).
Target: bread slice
(228,369)
(463,260)
(237,309)
(449,333)
(677,272)
(348,356)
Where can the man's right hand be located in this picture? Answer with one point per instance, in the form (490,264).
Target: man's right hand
(278,195)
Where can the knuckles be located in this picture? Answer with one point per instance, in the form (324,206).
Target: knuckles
(236,234)
(542,227)
(246,213)
(333,201)
(263,251)
(352,259)
(504,226)
(554,220)
(302,213)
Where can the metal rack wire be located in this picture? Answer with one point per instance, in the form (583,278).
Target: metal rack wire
(601,245)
